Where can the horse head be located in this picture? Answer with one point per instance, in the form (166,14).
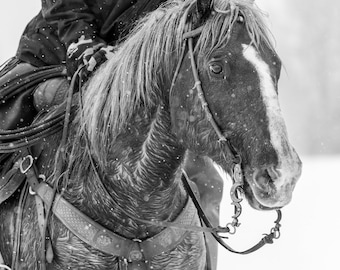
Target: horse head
(238,71)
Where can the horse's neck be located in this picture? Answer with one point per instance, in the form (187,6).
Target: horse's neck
(142,171)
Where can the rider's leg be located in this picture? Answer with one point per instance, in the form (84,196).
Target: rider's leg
(204,174)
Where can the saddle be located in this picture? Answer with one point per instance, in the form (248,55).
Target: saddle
(17,113)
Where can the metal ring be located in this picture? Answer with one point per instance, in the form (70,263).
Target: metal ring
(30,158)
(276,232)
(30,190)
(236,193)
(231,227)
(42,177)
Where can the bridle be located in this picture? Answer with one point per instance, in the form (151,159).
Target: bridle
(237,174)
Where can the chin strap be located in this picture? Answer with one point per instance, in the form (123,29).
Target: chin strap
(232,226)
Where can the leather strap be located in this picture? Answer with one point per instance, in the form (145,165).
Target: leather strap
(109,242)
(8,185)
(98,236)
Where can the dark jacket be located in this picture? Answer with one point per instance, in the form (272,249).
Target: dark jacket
(61,22)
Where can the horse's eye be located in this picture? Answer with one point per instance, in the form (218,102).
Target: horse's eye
(215,68)
(240,19)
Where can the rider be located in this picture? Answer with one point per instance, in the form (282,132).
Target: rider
(73,33)
(77,32)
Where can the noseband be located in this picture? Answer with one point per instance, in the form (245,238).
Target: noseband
(237,174)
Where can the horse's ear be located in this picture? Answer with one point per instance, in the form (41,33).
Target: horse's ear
(203,9)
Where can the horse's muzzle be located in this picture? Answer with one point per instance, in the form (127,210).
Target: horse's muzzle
(272,187)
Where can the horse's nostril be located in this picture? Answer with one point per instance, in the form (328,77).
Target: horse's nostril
(265,178)
(274,173)
(262,179)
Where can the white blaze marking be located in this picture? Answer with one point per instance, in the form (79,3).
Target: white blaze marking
(277,128)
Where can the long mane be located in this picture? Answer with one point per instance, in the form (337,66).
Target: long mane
(147,58)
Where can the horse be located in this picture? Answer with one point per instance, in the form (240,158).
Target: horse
(198,76)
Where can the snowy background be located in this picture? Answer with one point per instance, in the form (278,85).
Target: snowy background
(307,39)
